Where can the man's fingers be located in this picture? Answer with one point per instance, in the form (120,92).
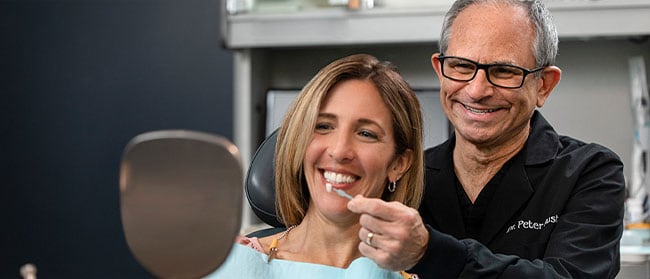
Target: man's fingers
(391,233)
(377,252)
(391,218)
(369,238)
(373,252)
(376,207)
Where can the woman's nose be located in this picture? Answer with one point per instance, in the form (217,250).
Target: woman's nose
(341,147)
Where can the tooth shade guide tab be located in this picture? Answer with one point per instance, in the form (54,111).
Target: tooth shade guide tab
(343,194)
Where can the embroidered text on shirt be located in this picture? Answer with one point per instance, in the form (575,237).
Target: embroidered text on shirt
(530,225)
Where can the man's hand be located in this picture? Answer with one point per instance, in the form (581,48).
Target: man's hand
(392,234)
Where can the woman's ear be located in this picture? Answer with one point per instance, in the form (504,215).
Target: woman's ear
(400,165)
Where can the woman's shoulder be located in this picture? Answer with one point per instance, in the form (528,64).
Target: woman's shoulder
(252,242)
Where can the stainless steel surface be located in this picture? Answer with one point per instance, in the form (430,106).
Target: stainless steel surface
(181,201)
(634,270)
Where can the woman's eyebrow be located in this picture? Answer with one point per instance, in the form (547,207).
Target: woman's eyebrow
(326,115)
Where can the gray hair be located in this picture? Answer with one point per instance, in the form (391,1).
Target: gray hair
(545,45)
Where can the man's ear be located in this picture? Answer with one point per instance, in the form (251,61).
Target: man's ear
(551,76)
(435,62)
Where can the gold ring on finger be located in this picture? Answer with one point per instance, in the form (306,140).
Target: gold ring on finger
(369,238)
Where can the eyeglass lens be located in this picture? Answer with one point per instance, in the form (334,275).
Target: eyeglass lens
(460,69)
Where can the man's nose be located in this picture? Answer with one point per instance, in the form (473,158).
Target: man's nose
(479,87)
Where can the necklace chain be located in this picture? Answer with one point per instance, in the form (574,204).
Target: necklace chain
(286,232)
(273,249)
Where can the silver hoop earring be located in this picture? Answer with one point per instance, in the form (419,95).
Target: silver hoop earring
(392,185)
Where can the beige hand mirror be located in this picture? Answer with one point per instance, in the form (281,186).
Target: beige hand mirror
(181,199)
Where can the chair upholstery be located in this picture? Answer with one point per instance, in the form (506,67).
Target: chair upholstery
(260,182)
(266,232)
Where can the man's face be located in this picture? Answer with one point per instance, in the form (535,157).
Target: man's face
(484,114)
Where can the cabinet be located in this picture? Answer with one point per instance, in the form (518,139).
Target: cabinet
(382,25)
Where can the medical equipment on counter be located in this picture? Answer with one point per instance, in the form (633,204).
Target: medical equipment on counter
(637,200)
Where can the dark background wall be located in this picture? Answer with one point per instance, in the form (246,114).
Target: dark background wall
(78,80)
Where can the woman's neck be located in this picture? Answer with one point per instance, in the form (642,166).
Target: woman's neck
(315,241)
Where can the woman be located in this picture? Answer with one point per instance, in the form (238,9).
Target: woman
(356,126)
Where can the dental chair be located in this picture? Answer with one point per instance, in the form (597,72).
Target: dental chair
(260,187)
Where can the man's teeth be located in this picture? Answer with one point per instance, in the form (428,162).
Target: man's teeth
(338,178)
(479,110)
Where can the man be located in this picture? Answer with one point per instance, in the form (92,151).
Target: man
(506,196)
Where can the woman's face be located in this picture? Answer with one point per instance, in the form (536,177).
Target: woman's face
(352,148)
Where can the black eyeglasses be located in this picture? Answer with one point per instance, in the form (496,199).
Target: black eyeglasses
(500,75)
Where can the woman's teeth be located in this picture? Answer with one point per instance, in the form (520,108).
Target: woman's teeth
(337,177)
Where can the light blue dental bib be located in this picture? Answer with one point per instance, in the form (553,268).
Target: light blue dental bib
(245,262)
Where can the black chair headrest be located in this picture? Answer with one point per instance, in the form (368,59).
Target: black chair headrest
(260,182)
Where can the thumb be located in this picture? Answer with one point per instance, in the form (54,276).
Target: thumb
(358,204)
